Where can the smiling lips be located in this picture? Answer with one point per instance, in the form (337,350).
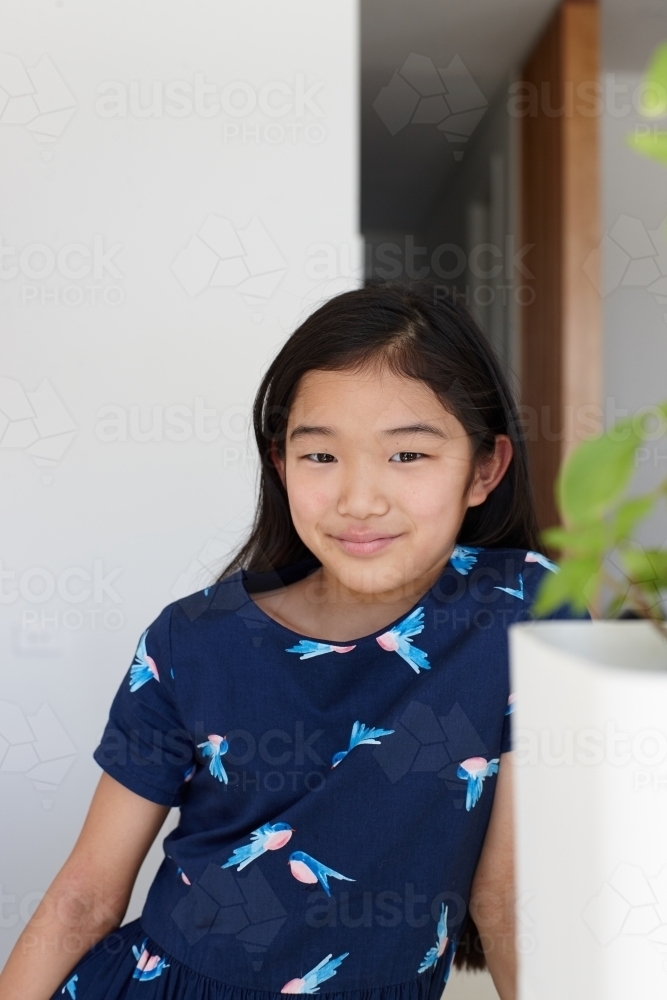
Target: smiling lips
(361,545)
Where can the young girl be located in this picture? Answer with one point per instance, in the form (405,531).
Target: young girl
(331,717)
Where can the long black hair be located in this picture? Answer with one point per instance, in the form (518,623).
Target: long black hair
(420,331)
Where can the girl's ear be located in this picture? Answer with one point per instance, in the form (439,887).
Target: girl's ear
(278,461)
(490,471)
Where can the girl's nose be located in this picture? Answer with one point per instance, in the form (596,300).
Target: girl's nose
(361,495)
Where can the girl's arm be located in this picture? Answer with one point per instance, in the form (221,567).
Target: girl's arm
(492,898)
(89,895)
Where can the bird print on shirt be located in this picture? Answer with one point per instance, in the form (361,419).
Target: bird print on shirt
(189,772)
(438,949)
(512,591)
(269,837)
(511,700)
(542,560)
(70,986)
(310,983)
(184,877)
(148,966)
(307,869)
(473,771)
(214,747)
(463,558)
(360,734)
(399,640)
(144,667)
(308,648)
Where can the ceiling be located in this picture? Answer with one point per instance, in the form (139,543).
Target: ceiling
(428,69)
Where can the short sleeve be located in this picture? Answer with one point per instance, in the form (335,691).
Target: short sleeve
(145,745)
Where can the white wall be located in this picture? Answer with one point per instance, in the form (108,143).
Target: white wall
(140,331)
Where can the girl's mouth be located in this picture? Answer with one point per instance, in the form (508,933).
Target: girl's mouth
(361,546)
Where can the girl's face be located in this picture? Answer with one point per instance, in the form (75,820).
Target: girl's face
(376,471)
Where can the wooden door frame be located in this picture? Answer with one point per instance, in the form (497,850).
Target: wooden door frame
(561,335)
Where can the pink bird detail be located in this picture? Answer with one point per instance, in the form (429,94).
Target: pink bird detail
(147,961)
(302,873)
(294,986)
(152,666)
(277,840)
(474,765)
(388,641)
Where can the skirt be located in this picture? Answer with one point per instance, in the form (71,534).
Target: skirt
(128,965)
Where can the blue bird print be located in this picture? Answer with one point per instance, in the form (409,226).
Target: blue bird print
(473,771)
(310,983)
(511,591)
(308,648)
(214,747)
(448,961)
(542,560)
(144,667)
(184,877)
(148,966)
(70,986)
(510,704)
(307,869)
(438,949)
(270,837)
(398,640)
(360,734)
(189,772)
(463,558)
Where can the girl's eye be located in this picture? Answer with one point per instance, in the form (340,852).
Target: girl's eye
(321,456)
(406,456)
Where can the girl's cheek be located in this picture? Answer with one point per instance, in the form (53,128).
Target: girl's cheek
(307,504)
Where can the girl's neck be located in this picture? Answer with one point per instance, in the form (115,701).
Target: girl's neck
(322,607)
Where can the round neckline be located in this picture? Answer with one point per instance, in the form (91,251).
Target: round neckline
(337,642)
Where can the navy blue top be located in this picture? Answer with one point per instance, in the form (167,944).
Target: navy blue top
(334,796)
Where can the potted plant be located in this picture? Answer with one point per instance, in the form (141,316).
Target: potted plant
(590,740)
(590,720)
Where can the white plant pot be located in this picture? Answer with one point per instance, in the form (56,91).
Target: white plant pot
(590,741)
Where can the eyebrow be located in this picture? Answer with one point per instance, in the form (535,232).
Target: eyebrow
(304,430)
(415,429)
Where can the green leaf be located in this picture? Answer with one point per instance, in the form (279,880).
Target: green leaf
(596,473)
(629,514)
(591,539)
(654,96)
(576,584)
(646,566)
(653,144)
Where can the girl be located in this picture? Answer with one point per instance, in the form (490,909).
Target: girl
(331,716)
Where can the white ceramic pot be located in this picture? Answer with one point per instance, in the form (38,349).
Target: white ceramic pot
(590,741)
